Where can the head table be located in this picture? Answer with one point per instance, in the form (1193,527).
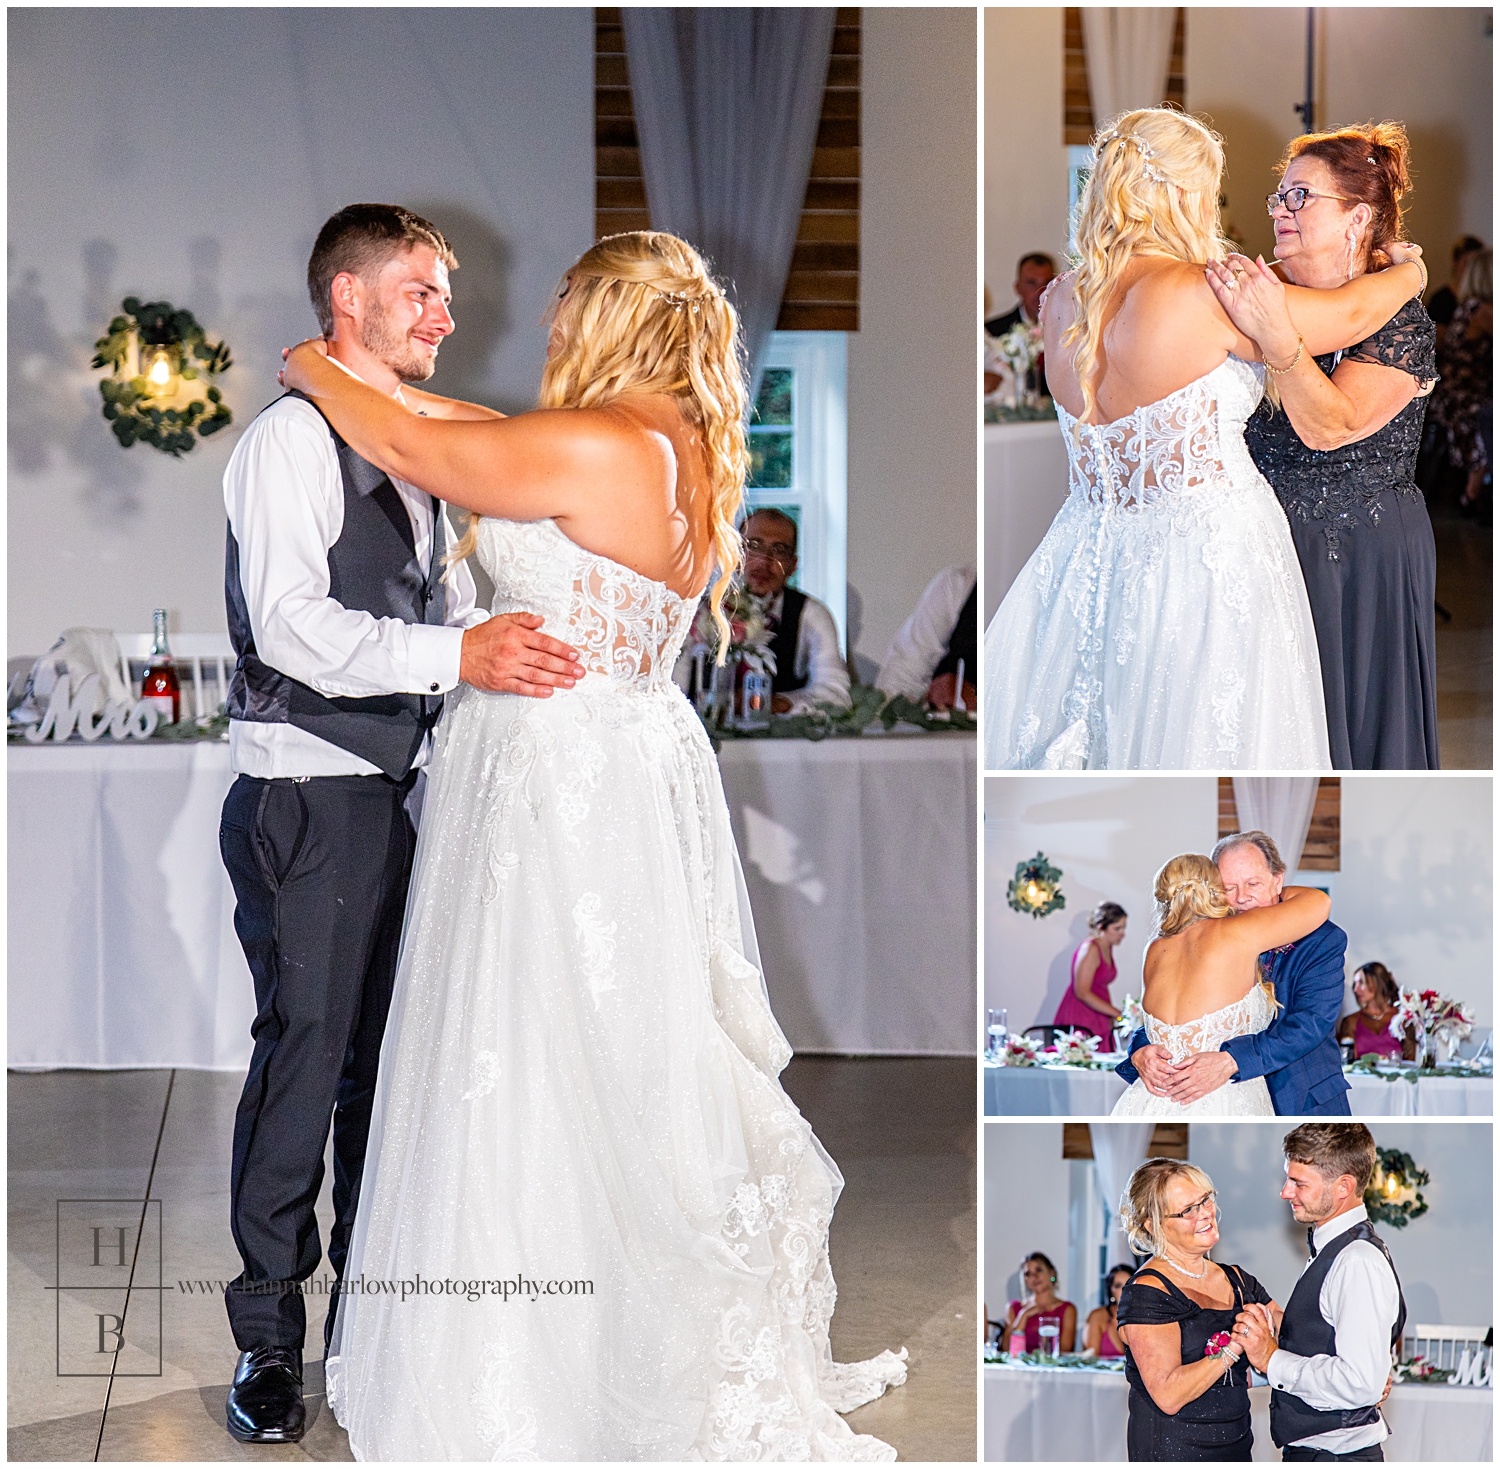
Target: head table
(1036,1414)
(859,858)
(1076,1091)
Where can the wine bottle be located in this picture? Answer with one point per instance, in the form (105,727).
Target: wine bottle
(160,687)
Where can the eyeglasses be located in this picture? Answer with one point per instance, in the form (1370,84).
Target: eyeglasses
(1294,199)
(1206,1206)
(777,551)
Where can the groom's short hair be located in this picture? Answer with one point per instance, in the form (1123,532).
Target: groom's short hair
(1334,1149)
(359,239)
(1257,839)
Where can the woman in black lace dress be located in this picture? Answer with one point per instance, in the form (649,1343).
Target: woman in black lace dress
(1189,1384)
(1341,450)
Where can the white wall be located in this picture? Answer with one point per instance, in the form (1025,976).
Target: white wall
(1413,890)
(1025,161)
(913,420)
(193,154)
(1109,834)
(1444,1258)
(1428,67)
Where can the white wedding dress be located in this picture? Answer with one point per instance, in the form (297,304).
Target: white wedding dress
(578,1088)
(1163,622)
(1247,1016)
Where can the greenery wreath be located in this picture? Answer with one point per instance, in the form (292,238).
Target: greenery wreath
(129,401)
(1392,1196)
(1034,889)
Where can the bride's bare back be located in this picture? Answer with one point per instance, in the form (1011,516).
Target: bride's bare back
(1211,963)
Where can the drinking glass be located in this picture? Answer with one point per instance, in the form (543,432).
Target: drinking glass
(996,1032)
(1048,1330)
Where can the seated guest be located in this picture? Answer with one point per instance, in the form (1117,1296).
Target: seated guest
(1021,1329)
(922,663)
(1033,274)
(1101,1333)
(1087,1005)
(1463,405)
(1369,1027)
(1445,300)
(810,670)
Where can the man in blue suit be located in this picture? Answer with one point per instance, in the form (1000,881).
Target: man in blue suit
(1297,1053)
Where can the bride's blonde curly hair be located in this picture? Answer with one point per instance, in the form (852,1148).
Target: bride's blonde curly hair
(1154,188)
(645,316)
(1186,889)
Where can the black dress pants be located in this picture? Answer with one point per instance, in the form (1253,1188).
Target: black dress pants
(320,869)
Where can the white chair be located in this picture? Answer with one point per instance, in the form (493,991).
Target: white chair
(205,663)
(1443,1346)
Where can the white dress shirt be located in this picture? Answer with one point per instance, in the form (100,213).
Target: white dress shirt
(284,497)
(922,641)
(1359,1300)
(818,658)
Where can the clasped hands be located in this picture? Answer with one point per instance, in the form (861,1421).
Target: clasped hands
(1255,1334)
(1183,1081)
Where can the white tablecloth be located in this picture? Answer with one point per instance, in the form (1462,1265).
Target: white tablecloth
(859,858)
(1040,1091)
(1081,1416)
(1025,484)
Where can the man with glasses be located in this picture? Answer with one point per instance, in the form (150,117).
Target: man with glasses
(810,669)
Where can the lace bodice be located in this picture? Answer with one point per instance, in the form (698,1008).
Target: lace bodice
(625,626)
(1341,489)
(1247,1016)
(1174,445)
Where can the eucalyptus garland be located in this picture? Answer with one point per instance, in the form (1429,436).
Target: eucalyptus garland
(1407,1203)
(127,402)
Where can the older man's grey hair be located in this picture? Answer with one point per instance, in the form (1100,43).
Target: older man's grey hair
(1257,839)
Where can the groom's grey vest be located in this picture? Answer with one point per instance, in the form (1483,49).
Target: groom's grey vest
(372,567)
(1305,1332)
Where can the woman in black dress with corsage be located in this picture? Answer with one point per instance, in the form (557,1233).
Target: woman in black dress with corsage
(1341,449)
(1189,1384)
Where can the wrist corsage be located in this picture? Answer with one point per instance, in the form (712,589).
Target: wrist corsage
(1218,1345)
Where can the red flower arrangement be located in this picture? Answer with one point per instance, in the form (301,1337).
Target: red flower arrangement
(1216,1344)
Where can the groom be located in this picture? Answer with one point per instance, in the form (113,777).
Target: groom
(1297,1053)
(348,635)
(1329,1357)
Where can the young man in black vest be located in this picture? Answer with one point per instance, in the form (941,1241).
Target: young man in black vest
(810,670)
(1329,1361)
(348,635)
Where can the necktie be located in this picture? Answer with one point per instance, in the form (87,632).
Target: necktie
(1312,1249)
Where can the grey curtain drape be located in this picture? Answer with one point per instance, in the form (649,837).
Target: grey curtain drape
(1129,52)
(726,109)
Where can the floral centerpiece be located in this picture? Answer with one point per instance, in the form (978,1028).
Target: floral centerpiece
(1435,1017)
(749,631)
(1132,1018)
(1019,349)
(1019,1050)
(1077,1050)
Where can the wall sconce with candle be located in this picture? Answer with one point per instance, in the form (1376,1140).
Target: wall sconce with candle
(1036,888)
(160,388)
(1392,1195)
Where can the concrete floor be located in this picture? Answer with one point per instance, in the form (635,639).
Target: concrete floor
(903,1247)
(1465,655)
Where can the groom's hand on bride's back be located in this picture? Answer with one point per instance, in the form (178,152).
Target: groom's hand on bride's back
(507,654)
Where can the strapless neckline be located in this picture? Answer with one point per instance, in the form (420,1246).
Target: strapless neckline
(1159,403)
(609,561)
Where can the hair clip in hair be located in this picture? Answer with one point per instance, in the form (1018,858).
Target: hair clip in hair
(1144,148)
(1369,160)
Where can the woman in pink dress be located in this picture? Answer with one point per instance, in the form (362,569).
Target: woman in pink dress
(1101,1333)
(1369,1027)
(1087,1004)
(1022,1328)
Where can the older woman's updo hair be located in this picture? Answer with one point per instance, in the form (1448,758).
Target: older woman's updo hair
(1370,164)
(1382,981)
(1188,888)
(1105,915)
(1154,187)
(1141,1205)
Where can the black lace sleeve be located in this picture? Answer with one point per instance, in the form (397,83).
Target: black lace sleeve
(1146,1305)
(1406,342)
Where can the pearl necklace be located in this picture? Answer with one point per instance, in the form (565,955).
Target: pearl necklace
(1181,1271)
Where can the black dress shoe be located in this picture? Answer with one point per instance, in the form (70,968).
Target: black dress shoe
(265,1402)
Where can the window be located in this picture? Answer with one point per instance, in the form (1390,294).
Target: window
(798,441)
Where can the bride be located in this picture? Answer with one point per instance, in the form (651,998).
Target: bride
(1163,622)
(1203,985)
(592,1225)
